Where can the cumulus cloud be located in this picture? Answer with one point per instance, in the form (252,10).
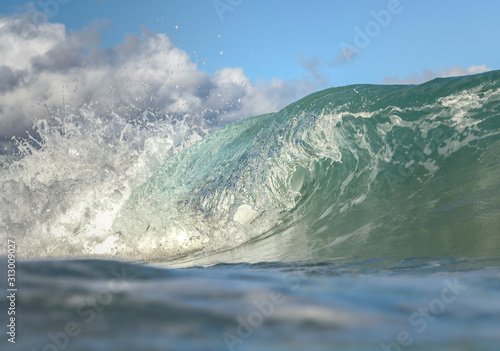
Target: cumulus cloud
(427,74)
(45,67)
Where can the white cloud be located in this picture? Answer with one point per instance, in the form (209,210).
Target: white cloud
(42,66)
(427,74)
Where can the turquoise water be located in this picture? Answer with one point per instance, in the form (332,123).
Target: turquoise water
(347,173)
(363,217)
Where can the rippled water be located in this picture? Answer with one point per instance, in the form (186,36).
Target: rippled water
(109,305)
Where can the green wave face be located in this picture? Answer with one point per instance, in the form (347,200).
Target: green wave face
(346,173)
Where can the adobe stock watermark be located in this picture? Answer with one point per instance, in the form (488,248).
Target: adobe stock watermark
(44,10)
(11,290)
(89,308)
(262,309)
(223,6)
(363,36)
(426,315)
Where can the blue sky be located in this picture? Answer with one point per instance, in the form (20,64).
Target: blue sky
(271,38)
